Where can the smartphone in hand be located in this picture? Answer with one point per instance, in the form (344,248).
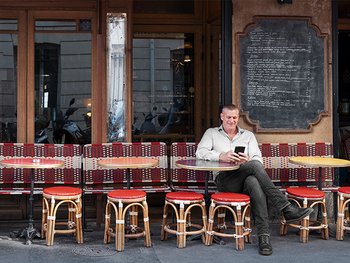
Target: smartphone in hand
(239,149)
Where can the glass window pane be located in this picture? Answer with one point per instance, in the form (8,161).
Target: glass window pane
(8,87)
(8,24)
(63,88)
(163,87)
(116,78)
(53,25)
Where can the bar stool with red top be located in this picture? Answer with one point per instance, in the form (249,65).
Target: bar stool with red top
(185,202)
(343,219)
(307,197)
(61,194)
(132,199)
(219,203)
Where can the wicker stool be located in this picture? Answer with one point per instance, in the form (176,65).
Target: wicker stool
(133,199)
(219,203)
(62,194)
(343,221)
(306,197)
(186,201)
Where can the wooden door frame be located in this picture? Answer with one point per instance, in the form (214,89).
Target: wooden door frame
(30,87)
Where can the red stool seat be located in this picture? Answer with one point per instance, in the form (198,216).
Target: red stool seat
(184,196)
(62,191)
(305,192)
(127,194)
(344,190)
(230,197)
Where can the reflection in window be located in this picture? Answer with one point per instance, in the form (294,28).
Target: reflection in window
(52,25)
(163,86)
(8,87)
(8,24)
(116,77)
(63,88)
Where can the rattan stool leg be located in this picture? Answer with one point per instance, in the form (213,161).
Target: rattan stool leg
(163,233)
(181,227)
(239,229)
(304,230)
(44,219)
(340,218)
(209,233)
(147,237)
(248,238)
(324,231)
(78,221)
(51,219)
(120,228)
(205,222)
(107,238)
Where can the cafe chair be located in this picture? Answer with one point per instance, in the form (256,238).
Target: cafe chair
(221,202)
(343,219)
(132,199)
(182,203)
(53,198)
(306,197)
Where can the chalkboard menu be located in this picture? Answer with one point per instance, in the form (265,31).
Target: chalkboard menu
(282,74)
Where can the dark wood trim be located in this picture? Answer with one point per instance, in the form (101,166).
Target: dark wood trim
(226,51)
(335,86)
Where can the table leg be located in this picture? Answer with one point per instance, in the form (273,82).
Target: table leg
(206,195)
(30,232)
(128,178)
(319,214)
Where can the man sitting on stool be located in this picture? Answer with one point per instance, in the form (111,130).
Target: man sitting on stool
(218,144)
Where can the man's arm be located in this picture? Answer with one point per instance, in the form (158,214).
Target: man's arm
(205,147)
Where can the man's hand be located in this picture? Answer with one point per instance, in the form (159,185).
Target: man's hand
(232,157)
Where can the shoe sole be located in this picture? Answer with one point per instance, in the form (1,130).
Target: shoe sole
(301,217)
(265,253)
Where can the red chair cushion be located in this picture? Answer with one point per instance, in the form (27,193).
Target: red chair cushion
(230,197)
(62,191)
(344,190)
(184,196)
(126,194)
(305,192)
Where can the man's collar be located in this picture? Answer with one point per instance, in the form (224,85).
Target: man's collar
(240,131)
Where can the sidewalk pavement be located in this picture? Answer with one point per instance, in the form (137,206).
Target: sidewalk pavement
(65,249)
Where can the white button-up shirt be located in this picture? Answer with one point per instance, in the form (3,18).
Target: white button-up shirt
(216,141)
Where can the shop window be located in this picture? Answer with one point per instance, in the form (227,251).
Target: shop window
(62,87)
(8,82)
(163,87)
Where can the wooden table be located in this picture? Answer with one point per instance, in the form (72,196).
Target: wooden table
(207,166)
(319,162)
(127,163)
(32,163)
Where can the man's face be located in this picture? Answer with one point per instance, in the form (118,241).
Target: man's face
(229,119)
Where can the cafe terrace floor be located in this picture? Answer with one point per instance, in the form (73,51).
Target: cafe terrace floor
(285,248)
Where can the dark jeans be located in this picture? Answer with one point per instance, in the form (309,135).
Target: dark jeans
(251,179)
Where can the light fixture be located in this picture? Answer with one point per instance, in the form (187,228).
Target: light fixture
(187,58)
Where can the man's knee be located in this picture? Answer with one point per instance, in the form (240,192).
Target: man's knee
(256,164)
(251,184)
